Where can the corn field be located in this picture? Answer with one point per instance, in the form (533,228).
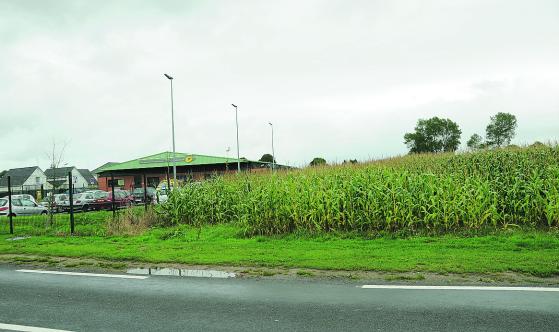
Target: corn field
(444,192)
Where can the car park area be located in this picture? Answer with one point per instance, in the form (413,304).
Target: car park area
(67,211)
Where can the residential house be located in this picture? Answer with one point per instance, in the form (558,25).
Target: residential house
(89,177)
(58,178)
(24,179)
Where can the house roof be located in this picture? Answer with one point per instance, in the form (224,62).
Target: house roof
(18,176)
(58,172)
(88,176)
(165,159)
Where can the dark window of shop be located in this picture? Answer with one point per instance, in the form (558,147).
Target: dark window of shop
(153,182)
(118,183)
(137,181)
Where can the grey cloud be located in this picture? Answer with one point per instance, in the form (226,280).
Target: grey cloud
(341,79)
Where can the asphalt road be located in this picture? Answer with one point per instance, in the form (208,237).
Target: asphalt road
(84,303)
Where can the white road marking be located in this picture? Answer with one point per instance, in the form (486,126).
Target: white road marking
(122,276)
(11,327)
(481,288)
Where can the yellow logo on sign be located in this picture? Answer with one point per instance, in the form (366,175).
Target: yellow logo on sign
(189,159)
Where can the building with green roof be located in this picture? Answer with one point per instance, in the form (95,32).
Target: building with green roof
(158,168)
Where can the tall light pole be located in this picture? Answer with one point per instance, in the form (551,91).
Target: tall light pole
(173,132)
(238,155)
(227,160)
(273,153)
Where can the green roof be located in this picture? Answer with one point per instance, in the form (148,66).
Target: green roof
(102,167)
(165,159)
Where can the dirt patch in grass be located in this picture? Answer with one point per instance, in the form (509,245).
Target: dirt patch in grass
(406,277)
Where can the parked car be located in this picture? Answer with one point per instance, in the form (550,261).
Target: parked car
(129,195)
(138,194)
(77,191)
(162,195)
(103,200)
(163,191)
(4,207)
(56,203)
(93,191)
(81,202)
(26,197)
(122,198)
(21,207)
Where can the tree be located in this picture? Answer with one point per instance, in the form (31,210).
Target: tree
(434,135)
(267,158)
(318,161)
(501,130)
(475,142)
(2,173)
(55,157)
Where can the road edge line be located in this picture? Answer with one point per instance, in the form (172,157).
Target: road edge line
(476,288)
(83,274)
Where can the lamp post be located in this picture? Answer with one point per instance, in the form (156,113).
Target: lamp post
(173,132)
(237,123)
(273,153)
(227,160)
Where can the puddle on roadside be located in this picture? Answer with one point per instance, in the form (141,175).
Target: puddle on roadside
(182,273)
(18,238)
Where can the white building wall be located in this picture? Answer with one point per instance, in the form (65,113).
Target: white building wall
(39,175)
(31,182)
(79,180)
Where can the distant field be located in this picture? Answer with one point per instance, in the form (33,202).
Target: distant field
(444,193)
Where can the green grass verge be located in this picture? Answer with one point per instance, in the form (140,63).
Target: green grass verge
(85,223)
(533,252)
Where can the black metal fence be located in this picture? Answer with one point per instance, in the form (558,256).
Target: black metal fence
(61,211)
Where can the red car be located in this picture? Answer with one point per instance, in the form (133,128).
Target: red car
(104,200)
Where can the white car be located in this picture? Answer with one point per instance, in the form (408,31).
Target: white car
(21,207)
(84,202)
(57,203)
(162,195)
(26,197)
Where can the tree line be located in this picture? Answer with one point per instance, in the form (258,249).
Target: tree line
(443,135)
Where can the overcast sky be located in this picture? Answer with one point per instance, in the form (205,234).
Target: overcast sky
(339,79)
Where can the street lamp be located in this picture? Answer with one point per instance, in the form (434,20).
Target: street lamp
(227,160)
(273,153)
(173,132)
(238,155)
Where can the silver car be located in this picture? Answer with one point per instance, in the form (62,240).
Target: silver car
(21,207)
(84,202)
(26,197)
(56,203)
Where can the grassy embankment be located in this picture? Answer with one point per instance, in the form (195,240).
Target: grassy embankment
(535,253)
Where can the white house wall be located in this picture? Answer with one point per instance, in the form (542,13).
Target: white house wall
(31,181)
(79,180)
